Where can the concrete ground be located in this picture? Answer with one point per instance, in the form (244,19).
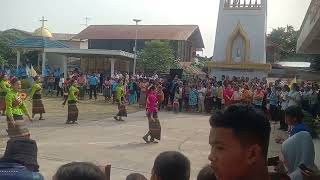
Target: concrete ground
(101,140)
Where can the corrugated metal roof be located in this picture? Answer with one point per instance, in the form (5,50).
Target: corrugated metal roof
(145,32)
(38,43)
(62,36)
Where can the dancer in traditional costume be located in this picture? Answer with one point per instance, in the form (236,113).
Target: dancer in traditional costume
(73,111)
(36,96)
(152,114)
(120,94)
(4,88)
(15,109)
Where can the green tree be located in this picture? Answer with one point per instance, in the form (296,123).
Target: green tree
(156,56)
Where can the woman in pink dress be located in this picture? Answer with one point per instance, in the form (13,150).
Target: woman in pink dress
(152,114)
(227,95)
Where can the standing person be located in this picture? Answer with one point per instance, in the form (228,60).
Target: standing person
(219,95)
(107,89)
(93,82)
(57,74)
(120,95)
(60,85)
(51,81)
(82,83)
(294,97)
(143,93)
(284,106)
(185,96)
(246,95)
(152,114)
(314,102)
(258,98)
(193,98)
(4,89)
(160,96)
(201,95)
(132,86)
(236,96)
(227,94)
(15,109)
(73,111)
(273,101)
(36,96)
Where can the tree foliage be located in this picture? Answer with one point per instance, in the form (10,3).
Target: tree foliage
(156,56)
(286,38)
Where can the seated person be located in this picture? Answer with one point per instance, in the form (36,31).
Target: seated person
(294,117)
(206,173)
(171,165)
(239,139)
(19,161)
(296,150)
(136,176)
(79,171)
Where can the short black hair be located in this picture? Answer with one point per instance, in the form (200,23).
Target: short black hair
(136,176)
(295,112)
(249,125)
(79,171)
(206,173)
(172,165)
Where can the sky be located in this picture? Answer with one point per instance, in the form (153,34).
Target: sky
(67,16)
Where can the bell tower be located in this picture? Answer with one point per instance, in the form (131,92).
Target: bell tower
(240,43)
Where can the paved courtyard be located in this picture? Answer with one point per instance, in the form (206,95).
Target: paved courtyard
(99,139)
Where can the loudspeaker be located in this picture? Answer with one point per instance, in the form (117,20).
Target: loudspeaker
(174,72)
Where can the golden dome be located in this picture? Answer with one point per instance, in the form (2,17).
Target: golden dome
(42,32)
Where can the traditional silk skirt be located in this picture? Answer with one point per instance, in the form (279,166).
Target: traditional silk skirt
(37,105)
(154,126)
(122,110)
(73,111)
(3,101)
(19,129)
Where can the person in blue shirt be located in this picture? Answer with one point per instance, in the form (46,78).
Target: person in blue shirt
(273,99)
(294,117)
(57,74)
(93,82)
(19,161)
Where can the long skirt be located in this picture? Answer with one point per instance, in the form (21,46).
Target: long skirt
(19,129)
(142,101)
(3,101)
(122,110)
(107,92)
(73,111)
(154,126)
(133,98)
(37,105)
(208,104)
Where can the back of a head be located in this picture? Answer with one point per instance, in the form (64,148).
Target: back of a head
(22,150)
(206,173)
(171,165)
(136,176)
(79,171)
(249,125)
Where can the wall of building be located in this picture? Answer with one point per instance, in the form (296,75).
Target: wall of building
(238,73)
(253,22)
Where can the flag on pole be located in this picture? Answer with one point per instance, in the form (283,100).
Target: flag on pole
(294,80)
(33,72)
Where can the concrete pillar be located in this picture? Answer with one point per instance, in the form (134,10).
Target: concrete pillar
(18,58)
(128,67)
(65,66)
(112,61)
(43,63)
